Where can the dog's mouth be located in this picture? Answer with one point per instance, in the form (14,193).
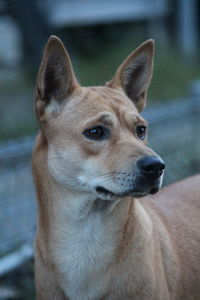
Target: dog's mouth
(105,192)
(109,195)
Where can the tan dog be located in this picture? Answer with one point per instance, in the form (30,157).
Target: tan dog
(95,238)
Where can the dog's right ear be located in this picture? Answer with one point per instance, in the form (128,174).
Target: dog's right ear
(134,74)
(56,80)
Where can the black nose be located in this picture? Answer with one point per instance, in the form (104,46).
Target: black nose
(151,166)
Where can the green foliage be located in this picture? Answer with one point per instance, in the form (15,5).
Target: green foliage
(172,72)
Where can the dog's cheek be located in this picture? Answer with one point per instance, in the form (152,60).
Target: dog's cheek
(58,171)
(63,167)
(92,168)
(92,148)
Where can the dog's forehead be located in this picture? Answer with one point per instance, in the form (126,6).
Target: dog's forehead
(88,101)
(114,97)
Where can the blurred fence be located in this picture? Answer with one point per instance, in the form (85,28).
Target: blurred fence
(174,134)
(17,200)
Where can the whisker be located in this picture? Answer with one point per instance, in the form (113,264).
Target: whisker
(107,181)
(107,174)
(55,157)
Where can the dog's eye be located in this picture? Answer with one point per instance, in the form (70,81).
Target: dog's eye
(141,132)
(97,133)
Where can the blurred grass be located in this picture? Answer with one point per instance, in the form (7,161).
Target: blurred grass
(94,66)
(17,116)
(172,72)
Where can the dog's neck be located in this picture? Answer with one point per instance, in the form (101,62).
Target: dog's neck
(80,206)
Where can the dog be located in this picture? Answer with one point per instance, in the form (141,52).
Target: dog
(101,233)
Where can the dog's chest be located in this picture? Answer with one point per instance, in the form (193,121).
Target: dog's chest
(84,251)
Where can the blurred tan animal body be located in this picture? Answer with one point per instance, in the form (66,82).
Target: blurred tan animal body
(101,234)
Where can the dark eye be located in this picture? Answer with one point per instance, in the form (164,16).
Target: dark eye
(97,133)
(141,132)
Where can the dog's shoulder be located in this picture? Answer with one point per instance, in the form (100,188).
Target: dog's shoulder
(178,202)
(178,207)
(182,196)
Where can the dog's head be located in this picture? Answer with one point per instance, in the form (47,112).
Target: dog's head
(95,135)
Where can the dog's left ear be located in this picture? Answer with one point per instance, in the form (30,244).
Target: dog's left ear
(134,74)
(56,80)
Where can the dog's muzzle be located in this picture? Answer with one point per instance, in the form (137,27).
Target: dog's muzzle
(148,179)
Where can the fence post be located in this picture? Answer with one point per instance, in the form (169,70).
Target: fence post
(187,27)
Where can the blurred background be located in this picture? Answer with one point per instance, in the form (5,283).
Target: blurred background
(98,36)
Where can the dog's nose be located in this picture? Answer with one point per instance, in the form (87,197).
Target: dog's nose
(151,166)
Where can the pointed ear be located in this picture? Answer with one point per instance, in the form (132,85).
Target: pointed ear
(56,79)
(134,75)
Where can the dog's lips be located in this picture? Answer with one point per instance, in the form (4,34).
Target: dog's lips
(102,190)
(154,190)
(135,193)
(108,194)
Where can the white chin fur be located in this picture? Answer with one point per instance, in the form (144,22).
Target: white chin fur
(161,180)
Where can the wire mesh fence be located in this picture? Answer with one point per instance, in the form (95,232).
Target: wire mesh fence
(174,134)
(17,200)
